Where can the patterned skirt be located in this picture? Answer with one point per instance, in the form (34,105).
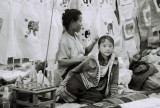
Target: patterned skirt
(75,91)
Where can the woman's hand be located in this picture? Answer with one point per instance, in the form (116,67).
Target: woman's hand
(95,39)
(90,47)
(81,59)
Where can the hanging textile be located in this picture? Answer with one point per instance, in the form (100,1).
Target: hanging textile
(56,33)
(127,15)
(131,41)
(4,29)
(129,29)
(14,11)
(155,8)
(56,28)
(144,18)
(44,11)
(46,4)
(149,21)
(154,38)
(62,5)
(104,22)
(43,8)
(87,33)
(27,33)
(107,24)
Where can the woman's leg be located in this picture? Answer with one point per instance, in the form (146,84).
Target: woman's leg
(76,87)
(68,69)
(92,95)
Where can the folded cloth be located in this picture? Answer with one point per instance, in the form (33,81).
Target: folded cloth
(124,99)
(138,80)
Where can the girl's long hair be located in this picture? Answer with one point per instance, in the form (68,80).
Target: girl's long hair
(102,40)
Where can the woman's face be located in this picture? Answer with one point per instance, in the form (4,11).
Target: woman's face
(77,24)
(106,48)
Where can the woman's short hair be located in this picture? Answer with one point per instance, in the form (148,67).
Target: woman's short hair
(70,15)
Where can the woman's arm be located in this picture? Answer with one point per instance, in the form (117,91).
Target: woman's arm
(69,62)
(74,71)
(90,47)
(63,55)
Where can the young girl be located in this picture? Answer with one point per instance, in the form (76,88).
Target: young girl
(95,78)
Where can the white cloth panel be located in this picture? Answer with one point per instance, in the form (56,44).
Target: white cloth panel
(4,29)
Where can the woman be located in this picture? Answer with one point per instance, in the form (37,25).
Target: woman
(95,78)
(71,52)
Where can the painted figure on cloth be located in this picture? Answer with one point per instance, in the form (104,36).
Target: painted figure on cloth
(33,26)
(130,28)
(110,28)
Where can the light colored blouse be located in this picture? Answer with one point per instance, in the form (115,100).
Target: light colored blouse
(103,70)
(69,47)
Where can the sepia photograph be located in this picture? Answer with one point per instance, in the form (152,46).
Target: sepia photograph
(79,53)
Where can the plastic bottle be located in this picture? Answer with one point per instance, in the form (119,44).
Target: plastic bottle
(6,96)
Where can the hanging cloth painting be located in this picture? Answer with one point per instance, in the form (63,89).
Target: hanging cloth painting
(14,12)
(144,13)
(127,17)
(44,11)
(147,16)
(4,30)
(27,33)
(128,28)
(62,5)
(155,14)
(106,22)
(56,27)
(56,33)
(154,38)
(144,18)
(50,39)
(46,4)
(87,32)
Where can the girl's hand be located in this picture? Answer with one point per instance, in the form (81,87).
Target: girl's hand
(58,90)
(114,95)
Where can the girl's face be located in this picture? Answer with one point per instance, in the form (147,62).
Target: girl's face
(106,48)
(77,24)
